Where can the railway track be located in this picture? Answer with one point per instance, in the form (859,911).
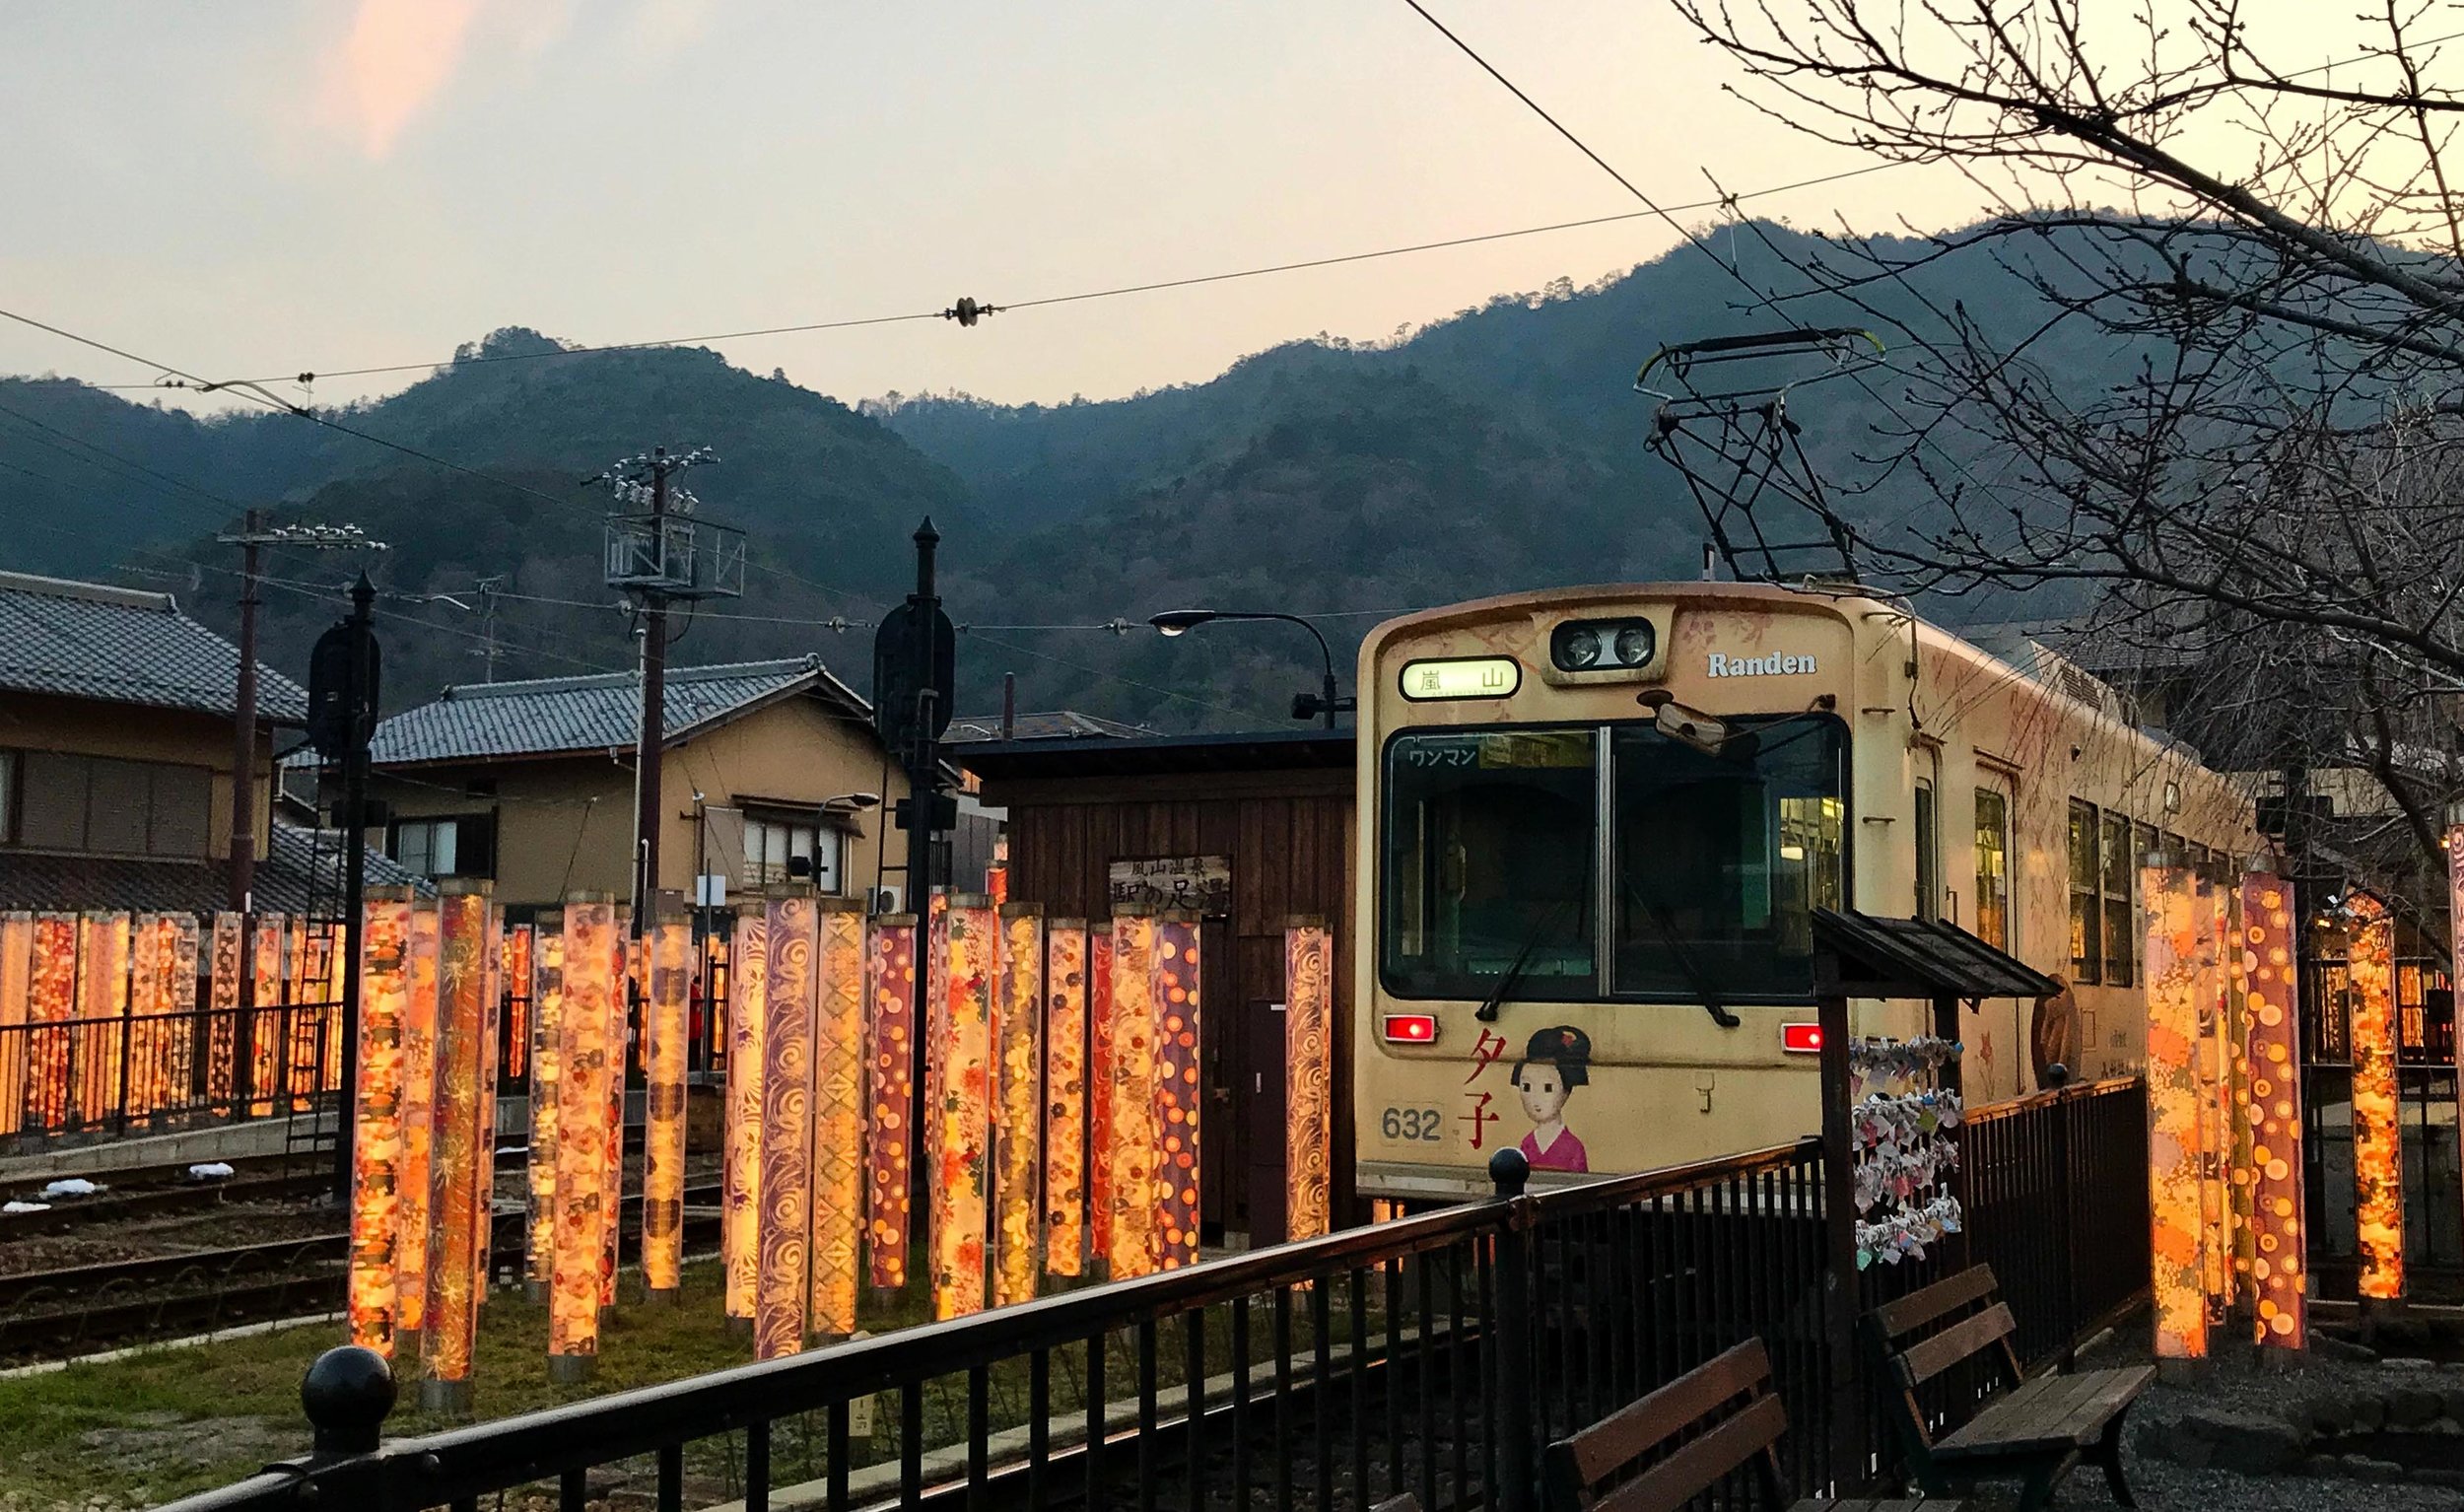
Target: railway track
(51,1314)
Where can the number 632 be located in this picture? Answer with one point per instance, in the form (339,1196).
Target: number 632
(1424,1125)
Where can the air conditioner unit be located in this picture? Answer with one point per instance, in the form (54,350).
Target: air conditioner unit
(885,900)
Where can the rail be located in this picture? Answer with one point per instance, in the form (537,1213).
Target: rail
(1433,1355)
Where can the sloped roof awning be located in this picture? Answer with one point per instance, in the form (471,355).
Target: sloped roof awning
(1858,955)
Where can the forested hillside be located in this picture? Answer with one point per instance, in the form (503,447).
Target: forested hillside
(1498,449)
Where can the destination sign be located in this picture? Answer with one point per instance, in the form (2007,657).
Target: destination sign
(1461,677)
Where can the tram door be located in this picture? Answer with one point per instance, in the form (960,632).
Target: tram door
(1262,1040)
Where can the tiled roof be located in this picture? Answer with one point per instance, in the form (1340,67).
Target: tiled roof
(85,640)
(549,716)
(1060,724)
(301,873)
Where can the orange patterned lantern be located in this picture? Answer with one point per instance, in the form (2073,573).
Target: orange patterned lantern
(419,1089)
(748,969)
(588,1063)
(1172,999)
(520,952)
(664,1026)
(51,1001)
(1017,1128)
(102,975)
(835,1172)
(459,1166)
(1308,1061)
(491,1056)
(1134,1141)
(1099,1079)
(1064,1097)
(889,1093)
(547,1060)
(625,1041)
(2377,1132)
(2279,1269)
(267,1021)
(785,1231)
(377,1122)
(222,1069)
(17,986)
(959,1126)
(2177,976)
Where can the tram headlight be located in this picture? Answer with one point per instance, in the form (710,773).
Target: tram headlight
(1578,648)
(1603,646)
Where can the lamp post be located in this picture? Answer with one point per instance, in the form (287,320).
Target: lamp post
(1327,703)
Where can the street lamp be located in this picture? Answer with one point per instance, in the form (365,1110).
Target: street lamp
(1304,705)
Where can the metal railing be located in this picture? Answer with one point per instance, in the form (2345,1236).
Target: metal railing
(1435,1356)
(149,1072)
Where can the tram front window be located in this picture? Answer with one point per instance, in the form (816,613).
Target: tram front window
(1490,839)
(1722,859)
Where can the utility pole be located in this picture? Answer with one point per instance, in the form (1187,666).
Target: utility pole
(252,534)
(489,649)
(656,558)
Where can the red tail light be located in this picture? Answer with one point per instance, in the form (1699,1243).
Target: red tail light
(1411,1028)
(1802,1039)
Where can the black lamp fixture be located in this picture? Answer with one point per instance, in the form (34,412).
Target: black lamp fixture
(1325,705)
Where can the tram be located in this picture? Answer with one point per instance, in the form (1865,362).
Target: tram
(1595,822)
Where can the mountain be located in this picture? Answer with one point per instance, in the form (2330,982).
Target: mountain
(1502,448)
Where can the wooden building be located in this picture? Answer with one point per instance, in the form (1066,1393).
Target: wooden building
(1250,829)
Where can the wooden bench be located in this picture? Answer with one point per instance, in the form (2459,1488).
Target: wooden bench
(2037,1430)
(1686,1437)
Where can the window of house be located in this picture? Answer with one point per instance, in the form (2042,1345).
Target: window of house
(1993,868)
(2087,900)
(2121,929)
(57,800)
(774,845)
(445,846)
(1928,854)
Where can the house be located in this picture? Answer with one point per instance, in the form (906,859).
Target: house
(770,772)
(117,743)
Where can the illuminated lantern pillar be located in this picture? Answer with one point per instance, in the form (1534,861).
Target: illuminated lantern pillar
(2240,1192)
(2280,1265)
(148,1001)
(2377,1137)
(377,1121)
(748,969)
(625,1041)
(222,1040)
(665,1027)
(186,941)
(2176,1233)
(1135,1139)
(835,1171)
(2215,1275)
(51,1000)
(587,1060)
(889,1094)
(960,1121)
(1018,1099)
(1099,1079)
(546,1060)
(266,1019)
(1064,1097)
(521,979)
(17,987)
(1307,1077)
(102,1004)
(1172,999)
(784,1232)
(461,1168)
(419,1094)
(491,1053)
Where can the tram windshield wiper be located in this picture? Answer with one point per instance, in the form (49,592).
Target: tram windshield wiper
(1695,976)
(1511,977)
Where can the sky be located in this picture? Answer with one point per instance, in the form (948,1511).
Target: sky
(295,185)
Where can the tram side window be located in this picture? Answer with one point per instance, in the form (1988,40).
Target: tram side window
(1489,860)
(2121,930)
(1721,860)
(1993,868)
(2086,905)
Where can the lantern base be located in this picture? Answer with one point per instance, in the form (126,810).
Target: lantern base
(739,1328)
(665,1296)
(572,1369)
(537,1292)
(2185,1372)
(451,1398)
(406,1347)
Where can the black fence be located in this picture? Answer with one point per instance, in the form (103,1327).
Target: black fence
(1434,1355)
(151,1072)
